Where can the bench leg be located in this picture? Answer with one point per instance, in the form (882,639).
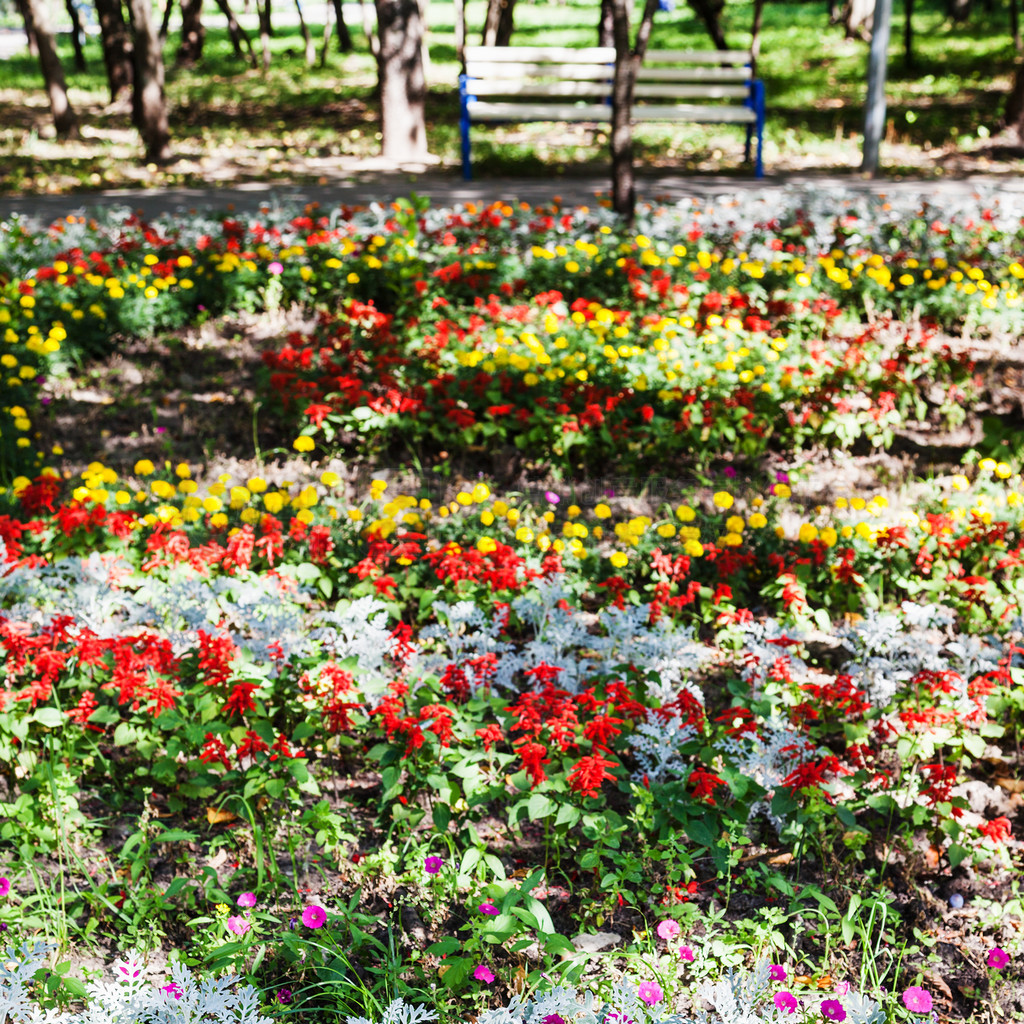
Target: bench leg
(759,112)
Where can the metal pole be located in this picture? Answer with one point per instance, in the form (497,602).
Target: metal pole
(874,112)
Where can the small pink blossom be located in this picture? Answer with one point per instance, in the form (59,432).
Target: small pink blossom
(917,999)
(785,1002)
(998,958)
(650,992)
(668,929)
(432,865)
(172,990)
(484,973)
(488,908)
(5,886)
(777,972)
(237,925)
(275,268)
(247,900)
(686,953)
(314,916)
(832,1009)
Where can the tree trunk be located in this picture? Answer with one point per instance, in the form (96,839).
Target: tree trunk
(860,16)
(958,10)
(627,63)
(165,21)
(64,119)
(369,30)
(710,12)
(874,106)
(193,35)
(606,25)
(30,35)
(307,36)
(1015,27)
(401,80)
(344,36)
(908,34)
(499,23)
(237,34)
(117,46)
(755,36)
(1014,117)
(76,34)
(149,104)
(266,31)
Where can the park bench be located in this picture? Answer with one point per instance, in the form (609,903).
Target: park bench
(555,83)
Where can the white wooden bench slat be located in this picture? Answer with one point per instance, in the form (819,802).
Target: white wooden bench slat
(693,75)
(589,89)
(514,72)
(561,54)
(480,110)
(553,76)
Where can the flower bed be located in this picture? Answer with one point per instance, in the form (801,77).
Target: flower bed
(421,748)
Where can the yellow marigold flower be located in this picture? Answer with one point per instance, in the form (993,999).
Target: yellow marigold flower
(694,548)
(524,535)
(256,484)
(667,530)
(485,545)
(487,517)
(304,443)
(758,521)
(464,498)
(144,467)
(828,537)
(602,511)
(330,478)
(782,491)
(808,532)
(685,514)
(377,489)
(212,504)
(987,465)
(734,524)
(723,499)
(619,559)
(1003,470)
(481,492)
(273,502)
(960,482)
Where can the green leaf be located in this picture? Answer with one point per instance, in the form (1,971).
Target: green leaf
(957,854)
(49,717)
(175,835)
(444,947)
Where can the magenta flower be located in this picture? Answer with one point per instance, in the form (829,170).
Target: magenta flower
(785,1002)
(314,916)
(553,1018)
(484,973)
(5,886)
(997,958)
(686,953)
(432,865)
(777,972)
(488,908)
(237,925)
(832,1009)
(284,996)
(172,989)
(275,268)
(668,929)
(917,999)
(247,899)
(650,992)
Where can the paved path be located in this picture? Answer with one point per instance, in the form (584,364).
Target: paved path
(362,187)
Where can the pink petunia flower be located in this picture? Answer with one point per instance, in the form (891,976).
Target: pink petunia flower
(432,865)
(917,999)
(5,886)
(247,900)
(172,989)
(997,958)
(777,972)
(668,929)
(650,992)
(686,953)
(832,1009)
(314,916)
(785,1002)
(483,973)
(237,925)
(488,908)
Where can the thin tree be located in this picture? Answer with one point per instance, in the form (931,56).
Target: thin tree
(149,103)
(116,42)
(266,31)
(237,34)
(499,22)
(307,36)
(710,12)
(64,119)
(402,81)
(874,107)
(30,35)
(193,33)
(1013,120)
(77,34)
(627,64)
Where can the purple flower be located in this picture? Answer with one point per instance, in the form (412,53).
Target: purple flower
(650,992)
(917,999)
(832,1009)
(247,899)
(483,973)
(551,497)
(5,886)
(237,925)
(997,958)
(432,865)
(488,908)
(777,972)
(668,929)
(781,477)
(284,996)
(553,1018)
(785,1002)
(172,990)
(314,916)
(686,953)
(729,471)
